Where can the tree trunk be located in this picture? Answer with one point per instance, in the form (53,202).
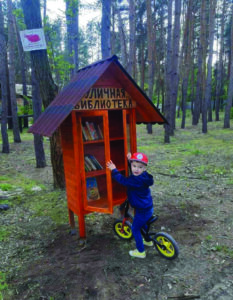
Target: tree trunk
(23,68)
(175,57)
(200,73)
(132,39)
(37,109)
(122,37)
(211,50)
(3,81)
(207,99)
(187,41)
(72,34)
(167,102)
(11,63)
(48,89)
(220,63)
(151,55)
(230,86)
(105,29)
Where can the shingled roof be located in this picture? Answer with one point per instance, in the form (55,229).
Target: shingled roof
(82,82)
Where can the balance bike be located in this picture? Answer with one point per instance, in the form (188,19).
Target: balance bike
(163,242)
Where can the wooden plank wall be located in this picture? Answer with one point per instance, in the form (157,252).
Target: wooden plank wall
(72,175)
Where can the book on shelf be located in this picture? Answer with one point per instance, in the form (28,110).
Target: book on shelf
(91,163)
(100,132)
(86,134)
(91,131)
(95,162)
(92,189)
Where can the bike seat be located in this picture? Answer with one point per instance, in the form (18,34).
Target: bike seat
(152,220)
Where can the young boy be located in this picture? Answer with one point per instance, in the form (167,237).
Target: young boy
(139,197)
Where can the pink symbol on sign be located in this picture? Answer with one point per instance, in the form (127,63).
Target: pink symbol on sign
(33,38)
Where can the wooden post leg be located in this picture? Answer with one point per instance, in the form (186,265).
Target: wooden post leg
(81,222)
(72,222)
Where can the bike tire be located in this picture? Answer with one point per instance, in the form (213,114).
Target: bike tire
(125,234)
(169,248)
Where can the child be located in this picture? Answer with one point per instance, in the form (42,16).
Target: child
(139,197)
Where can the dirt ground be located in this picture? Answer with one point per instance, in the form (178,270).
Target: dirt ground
(42,260)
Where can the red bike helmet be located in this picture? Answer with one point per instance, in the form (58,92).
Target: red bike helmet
(140,157)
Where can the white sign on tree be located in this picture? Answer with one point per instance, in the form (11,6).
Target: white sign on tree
(33,39)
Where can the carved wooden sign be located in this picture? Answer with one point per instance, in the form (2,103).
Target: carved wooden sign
(105,98)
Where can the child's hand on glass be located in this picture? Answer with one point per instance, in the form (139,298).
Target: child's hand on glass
(110,165)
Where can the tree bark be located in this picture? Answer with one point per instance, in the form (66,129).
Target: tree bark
(105,29)
(132,39)
(167,102)
(48,89)
(207,99)
(122,36)
(72,34)
(23,67)
(175,60)
(220,63)
(187,41)
(200,63)
(151,55)
(230,86)
(37,109)
(3,81)
(11,63)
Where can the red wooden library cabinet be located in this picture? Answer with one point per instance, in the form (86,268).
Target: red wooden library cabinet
(96,114)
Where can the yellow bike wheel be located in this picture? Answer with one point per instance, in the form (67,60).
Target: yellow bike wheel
(123,232)
(167,246)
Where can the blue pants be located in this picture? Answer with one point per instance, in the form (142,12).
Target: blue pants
(139,221)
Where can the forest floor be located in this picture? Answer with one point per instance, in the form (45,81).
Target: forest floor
(192,195)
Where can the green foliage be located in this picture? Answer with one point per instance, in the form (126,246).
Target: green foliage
(231,115)
(223,249)
(6,186)
(3,284)
(4,233)
(25,109)
(20,18)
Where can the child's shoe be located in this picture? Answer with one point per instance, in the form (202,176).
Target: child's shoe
(136,253)
(149,244)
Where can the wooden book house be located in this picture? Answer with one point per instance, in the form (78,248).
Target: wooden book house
(96,114)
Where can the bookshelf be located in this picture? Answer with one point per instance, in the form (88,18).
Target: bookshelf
(112,141)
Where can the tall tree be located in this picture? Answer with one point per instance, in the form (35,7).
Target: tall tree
(142,46)
(132,39)
(37,109)
(3,81)
(187,42)
(167,103)
(175,60)
(230,86)
(23,67)
(207,99)
(11,63)
(220,62)
(151,54)
(200,64)
(48,89)
(105,29)
(72,34)
(122,37)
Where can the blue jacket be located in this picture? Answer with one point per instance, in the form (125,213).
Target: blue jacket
(138,191)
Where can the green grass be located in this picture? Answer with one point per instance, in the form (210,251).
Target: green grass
(4,233)
(51,204)
(25,136)
(6,186)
